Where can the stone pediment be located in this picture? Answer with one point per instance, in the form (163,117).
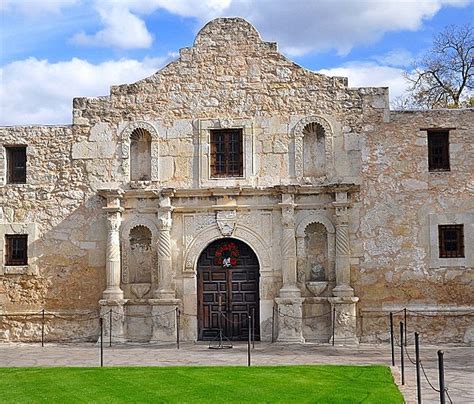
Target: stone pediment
(242,57)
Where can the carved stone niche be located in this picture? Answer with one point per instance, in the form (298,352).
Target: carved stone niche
(315,253)
(313,137)
(139,258)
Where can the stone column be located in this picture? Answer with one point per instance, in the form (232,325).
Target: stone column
(112,261)
(290,310)
(164,303)
(165,269)
(343,252)
(112,297)
(343,305)
(288,248)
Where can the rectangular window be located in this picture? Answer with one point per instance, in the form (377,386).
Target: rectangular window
(226,153)
(16,164)
(451,241)
(16,249)
(438,150)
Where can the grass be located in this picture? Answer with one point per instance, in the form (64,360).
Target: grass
(270,384)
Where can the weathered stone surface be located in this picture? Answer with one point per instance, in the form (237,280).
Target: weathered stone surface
(230,78)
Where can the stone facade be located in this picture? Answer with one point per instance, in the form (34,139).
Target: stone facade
(336,200)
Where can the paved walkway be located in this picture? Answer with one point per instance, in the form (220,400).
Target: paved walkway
(459,360)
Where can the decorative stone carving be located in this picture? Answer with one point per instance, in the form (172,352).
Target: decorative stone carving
(345,324)
(141,254)
(309,218)
(112,263)
(165,268)
(298,133)
(288,248)
(140,290)
(207,236)
(125,147)
(343,252)
(317,287)
(203,221)
(290,319)
(226,220)
(126,247)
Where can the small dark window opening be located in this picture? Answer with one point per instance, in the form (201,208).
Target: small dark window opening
(438,151)
(16,249)
(226,153)
(16,163)
(451,241)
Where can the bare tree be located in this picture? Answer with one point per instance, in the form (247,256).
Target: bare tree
(443,77)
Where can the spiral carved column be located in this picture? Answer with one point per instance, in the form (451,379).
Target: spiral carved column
(343,251)
(290,303)
(164,304)
(343,304)
(288,248)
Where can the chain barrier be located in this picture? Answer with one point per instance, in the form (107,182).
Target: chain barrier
(45,317)
(408,356)
(427,379)
(437,314)
(447,393)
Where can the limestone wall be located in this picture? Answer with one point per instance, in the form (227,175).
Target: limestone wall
(400,204)
(230,78)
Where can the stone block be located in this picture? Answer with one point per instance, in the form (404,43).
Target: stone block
(100,132)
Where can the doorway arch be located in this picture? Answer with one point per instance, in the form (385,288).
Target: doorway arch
(228,275)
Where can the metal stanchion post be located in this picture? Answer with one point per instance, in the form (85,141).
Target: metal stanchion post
(391,339)
(333,324)
(442,388)
(110,327)
(178,317)
(273,324)
(253,328)
(248,343)
(101,342)
(418,374)
(402,362)
(42,328)
(405,324)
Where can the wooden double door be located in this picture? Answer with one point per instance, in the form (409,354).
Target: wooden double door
(228,291)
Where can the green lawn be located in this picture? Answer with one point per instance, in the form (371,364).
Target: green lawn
(284,384)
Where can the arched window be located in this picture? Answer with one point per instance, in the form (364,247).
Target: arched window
(140,155)
(314,150)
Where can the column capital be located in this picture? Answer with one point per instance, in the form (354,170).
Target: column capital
(112,195)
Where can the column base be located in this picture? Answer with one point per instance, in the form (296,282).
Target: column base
(287,292)
(343,291)
(345,324)
(164,319)
(164,294)
(290,319)
(112,294)
(118,319)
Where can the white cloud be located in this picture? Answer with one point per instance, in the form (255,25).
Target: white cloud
(371,75)
(300,26)
(35,8)
(38,92)
(122,29)
(396,57)
(307,25)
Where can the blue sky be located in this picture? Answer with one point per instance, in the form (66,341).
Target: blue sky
(54,50)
